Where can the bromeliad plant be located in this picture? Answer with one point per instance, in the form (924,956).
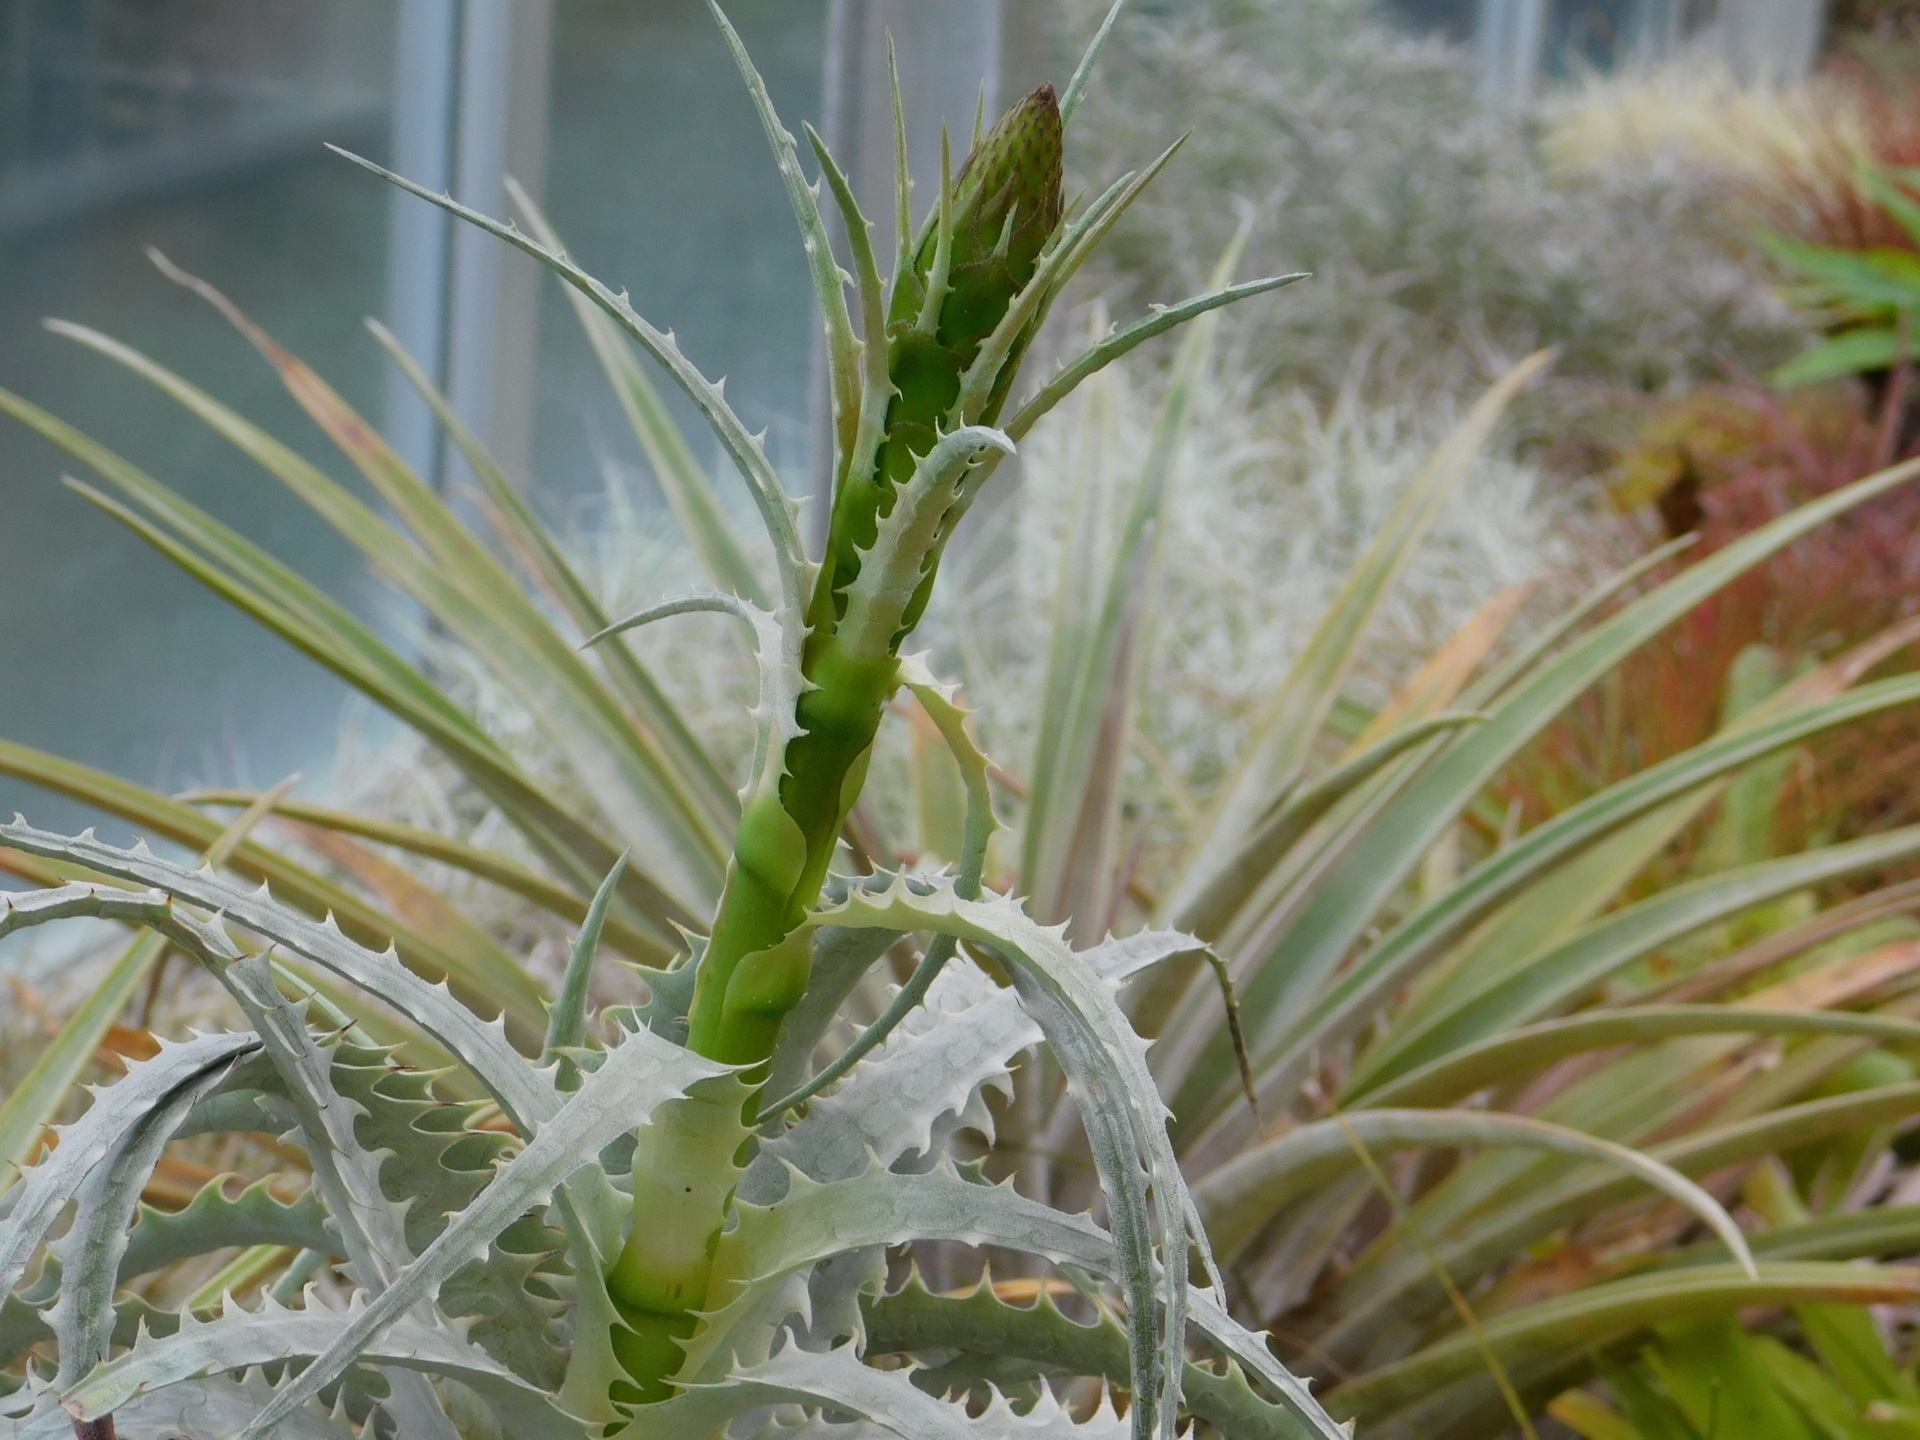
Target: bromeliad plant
(1708,1376)
(1462,1019)
(666,1228)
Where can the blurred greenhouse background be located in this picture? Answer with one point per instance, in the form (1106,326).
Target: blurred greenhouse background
(195,126)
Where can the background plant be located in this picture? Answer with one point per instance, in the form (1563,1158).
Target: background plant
(1444,242)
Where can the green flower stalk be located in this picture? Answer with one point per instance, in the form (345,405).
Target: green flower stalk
(980,250)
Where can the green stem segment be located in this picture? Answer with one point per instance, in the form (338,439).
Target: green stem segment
(1004,207)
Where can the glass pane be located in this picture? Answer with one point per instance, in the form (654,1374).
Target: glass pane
(193,126)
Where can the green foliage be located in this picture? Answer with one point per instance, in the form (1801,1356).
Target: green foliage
(1867,297)
(1710,1377)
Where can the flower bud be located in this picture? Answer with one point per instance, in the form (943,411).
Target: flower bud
(1007,201)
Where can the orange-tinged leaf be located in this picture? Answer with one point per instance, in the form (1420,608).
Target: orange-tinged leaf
(1439,682)
(1837,984)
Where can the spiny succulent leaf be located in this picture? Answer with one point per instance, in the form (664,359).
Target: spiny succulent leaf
(34,1100)
(913,1320)
(894,567)
(90,1251)
(877,389)
(213,1220)
(567,1022)
(372,1228)
(1083,72)
(776,507)
(526,1094)
(640,1074)
(430,1161)
(669,997)
(777,640)
(1120,1107)
(690,491)
(829,285)
(43,1192)
(1096,358)
(239,1340)
(840,958)
(983,386)
(813,1223)
(949,718)
(834,1380)
(964,1036)
(942,705)
(1122,959)
(217,1408)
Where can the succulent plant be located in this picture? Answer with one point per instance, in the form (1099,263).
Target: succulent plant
(659,1235)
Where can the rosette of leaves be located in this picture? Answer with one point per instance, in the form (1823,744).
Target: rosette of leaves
(524,1219)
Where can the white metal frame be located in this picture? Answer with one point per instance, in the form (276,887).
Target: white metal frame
(469,107)
(1761,41)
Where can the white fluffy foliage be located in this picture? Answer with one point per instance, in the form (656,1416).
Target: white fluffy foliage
(1443,246)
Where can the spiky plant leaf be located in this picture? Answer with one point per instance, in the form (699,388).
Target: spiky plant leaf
(35,1203)
(213,1220)
(836,1380)
(90,1251)
(527,1096)
(777,509)
(639,1075)
(1124,1116)
(913,1320)
(240,1340)
(964,1035)
(689,490)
